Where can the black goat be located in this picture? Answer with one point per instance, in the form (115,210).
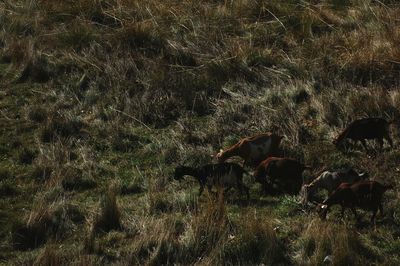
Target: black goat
(366,128)
(226,175)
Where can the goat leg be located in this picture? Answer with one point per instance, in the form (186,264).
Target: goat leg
(246,189)
(342,212)
(364,143)
(373,216)
(388,138)
(355,214)
(244,163)
(381,209)
(373,220)
(201,189)
(209,186)
(380,141)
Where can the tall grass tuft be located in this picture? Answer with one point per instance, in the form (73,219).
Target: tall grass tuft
(49,257)
(207,230)
(253,241)
(109,217)
(320,240)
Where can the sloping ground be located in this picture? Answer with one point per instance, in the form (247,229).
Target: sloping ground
(99,101)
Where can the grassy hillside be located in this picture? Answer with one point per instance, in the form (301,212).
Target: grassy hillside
(101,100)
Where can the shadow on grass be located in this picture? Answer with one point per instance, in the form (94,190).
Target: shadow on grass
(261,202)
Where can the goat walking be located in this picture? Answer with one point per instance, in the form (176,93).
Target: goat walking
(330,180)
(287,172)
(366,195)
(366,128)
(252,149)
(226,175)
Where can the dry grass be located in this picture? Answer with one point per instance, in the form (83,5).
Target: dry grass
(337,243)
(52,218)
(49,257)
(253,241)
(110,216)
(97,92)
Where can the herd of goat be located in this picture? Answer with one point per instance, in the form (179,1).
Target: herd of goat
(346,188)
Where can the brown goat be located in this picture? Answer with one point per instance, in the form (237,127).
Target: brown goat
(364,194)
(253,149)
(366,128)
(285,171)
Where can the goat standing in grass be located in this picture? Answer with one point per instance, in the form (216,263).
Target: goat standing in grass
(330,180)
(366,128)
(288,173)
(366,195)
(226,175)
(252,149)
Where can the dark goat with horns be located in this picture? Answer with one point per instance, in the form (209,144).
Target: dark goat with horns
(366,128)
(226,175)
